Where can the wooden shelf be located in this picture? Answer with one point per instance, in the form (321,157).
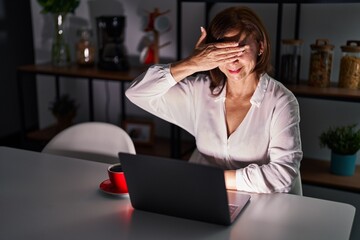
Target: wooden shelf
(330,93)
(317,172)
(83,72)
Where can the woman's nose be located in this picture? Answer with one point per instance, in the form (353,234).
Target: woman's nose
(236,61)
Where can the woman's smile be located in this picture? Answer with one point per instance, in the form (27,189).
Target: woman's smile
(235,71)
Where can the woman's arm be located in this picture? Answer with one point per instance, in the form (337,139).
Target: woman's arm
(159,79)
(157,91)
(285,155)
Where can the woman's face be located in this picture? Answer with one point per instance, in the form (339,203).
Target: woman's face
(242,67)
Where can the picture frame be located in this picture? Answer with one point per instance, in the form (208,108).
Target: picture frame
(140,131)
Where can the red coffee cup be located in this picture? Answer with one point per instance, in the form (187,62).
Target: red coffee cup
(117,178)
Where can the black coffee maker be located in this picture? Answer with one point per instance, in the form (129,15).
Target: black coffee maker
(111,35)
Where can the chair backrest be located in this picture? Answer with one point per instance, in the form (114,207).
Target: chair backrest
(95,141)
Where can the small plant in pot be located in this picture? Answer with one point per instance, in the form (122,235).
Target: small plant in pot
(344,142)
(64,110)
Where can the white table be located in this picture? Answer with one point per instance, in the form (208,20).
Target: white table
(50,197)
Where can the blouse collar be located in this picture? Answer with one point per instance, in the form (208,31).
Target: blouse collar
(260,90)
(258,95)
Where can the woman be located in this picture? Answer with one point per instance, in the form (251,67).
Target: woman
(243,120)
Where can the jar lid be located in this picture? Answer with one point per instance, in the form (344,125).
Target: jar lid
(322,44)
(296,42)
(351,46)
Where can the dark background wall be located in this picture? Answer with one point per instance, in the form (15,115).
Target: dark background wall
(16,48)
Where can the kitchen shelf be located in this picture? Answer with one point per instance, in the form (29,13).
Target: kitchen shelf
(329,93)
(317,172)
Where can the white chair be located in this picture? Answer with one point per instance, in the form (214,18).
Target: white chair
(95,141)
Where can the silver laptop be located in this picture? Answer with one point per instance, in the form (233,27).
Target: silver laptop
(181,189)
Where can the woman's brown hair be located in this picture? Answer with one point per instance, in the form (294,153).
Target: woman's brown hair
(245,20)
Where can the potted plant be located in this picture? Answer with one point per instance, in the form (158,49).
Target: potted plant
(60,52)
(344,142)
(64,110)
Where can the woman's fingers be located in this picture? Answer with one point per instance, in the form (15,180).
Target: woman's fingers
(210,56)
(225,51)
(226,44)
(202,37)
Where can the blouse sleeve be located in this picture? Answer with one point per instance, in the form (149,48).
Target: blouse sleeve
(157,92)
(284,152)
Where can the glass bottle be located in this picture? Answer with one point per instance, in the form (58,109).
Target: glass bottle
(85,51)
(350,65)
(321,59)
(60,52)
(290,61)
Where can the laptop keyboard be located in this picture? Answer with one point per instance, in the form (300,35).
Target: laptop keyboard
(232,208)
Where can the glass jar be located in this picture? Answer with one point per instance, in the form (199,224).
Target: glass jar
(350,65)
(321,59)
(85,51)
(290,61)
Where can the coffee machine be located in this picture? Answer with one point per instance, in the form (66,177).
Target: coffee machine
(111,35)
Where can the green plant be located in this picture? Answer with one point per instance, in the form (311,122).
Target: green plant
(63,106)
(343,140)
(58,6)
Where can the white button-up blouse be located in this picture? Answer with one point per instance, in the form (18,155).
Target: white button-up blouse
(265,149)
